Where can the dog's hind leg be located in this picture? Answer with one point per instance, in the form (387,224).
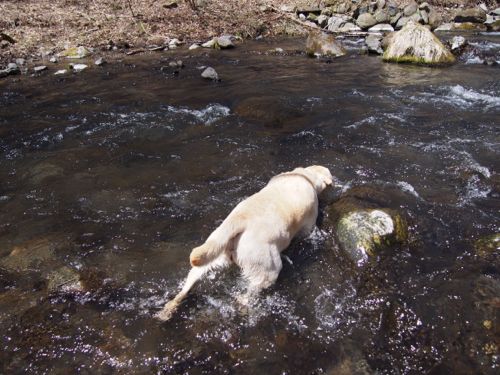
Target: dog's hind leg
(194,275)
(261,272)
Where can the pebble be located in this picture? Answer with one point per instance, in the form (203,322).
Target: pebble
(78,67)
(40,68)
(20,61)
(61,71)
(53,59)
(194,46)
(100,61)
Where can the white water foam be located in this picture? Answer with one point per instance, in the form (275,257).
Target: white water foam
(460,97)
(208,115)
(405,186)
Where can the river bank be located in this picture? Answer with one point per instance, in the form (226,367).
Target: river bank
(38,31)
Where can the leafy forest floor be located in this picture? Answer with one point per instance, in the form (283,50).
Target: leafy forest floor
(43,27)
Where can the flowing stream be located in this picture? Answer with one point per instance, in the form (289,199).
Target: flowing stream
(109,177)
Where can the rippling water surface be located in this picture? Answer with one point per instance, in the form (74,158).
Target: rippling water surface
(108,179)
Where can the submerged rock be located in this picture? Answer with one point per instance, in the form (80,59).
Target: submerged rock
(63,279)
(100,61)
(488,246)
(11,69)
(322,44)
(415,43)
(34,254)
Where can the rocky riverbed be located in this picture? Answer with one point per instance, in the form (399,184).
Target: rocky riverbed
(109,176)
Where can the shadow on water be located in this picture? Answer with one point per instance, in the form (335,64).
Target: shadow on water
(109,178)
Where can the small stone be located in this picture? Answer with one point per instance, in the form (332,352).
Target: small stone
(100,61)
(382,27)
(61,71)
(458,43)
(53,60)
(38,69)
(20,61)
(194,46)
(302,17)
(180,64)
(210,73)
(382,16)
(209,44)
(349,27)
(174,43)
(487,324)
(156,48)
(78,67)
(225,41)
(12,66)
(322,20)
(374,44)
(172,64)
(170,4)
(445,27)
(410,9)
(496,11)
(366,20)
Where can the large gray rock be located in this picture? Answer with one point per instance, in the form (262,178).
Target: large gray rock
(415,43)
(366,20)
(322,44)
(496,11)
(474,15)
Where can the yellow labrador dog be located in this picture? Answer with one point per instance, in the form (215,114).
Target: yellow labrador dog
(258,230)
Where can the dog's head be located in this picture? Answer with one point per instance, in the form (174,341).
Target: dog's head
(322,177)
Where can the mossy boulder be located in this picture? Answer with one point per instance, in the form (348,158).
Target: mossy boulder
(322,44)
(416,44)
(367,219)
(488,246)
(362,233)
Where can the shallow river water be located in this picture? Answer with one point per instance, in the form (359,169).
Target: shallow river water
(109,177)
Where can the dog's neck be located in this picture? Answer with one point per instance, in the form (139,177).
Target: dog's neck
(302,174)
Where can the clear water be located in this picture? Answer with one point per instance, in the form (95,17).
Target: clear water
(118,172)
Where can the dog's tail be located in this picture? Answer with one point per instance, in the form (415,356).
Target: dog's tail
(219,241)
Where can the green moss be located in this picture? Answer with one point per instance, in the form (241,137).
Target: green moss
(488,245)
(410,59)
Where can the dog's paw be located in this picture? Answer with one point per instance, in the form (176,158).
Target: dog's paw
(167,312)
